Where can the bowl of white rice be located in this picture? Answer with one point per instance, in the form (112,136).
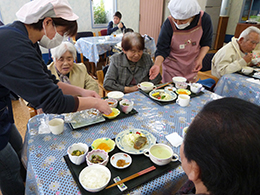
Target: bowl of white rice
(94,178)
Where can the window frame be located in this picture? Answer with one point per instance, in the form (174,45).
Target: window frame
(92,15)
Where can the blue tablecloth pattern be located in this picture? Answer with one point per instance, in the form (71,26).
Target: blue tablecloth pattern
(236,85)
(47,172)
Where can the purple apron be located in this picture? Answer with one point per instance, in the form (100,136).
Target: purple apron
(185,47)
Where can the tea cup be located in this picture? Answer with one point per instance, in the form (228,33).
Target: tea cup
(126,105)
(195,87)
(56,126)
(247,70)
(161,154)
(183,100)
(146,86)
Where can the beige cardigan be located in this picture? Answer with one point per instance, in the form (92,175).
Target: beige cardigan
(78,77)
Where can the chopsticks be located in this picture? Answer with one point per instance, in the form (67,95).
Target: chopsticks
(163,85)
(133,176)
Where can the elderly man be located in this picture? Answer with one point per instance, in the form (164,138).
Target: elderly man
(236,54)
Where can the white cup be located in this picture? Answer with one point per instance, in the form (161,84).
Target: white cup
(56,126)
(146,86)
(183,100)
(195,87)
(247,70)
(161,154)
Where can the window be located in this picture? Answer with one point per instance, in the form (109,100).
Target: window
(102,12)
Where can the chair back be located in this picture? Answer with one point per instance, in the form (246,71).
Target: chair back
(84,34)
(206,62)
(102,32)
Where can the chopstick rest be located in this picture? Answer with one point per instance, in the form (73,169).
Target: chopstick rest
(121,186)
(133,176)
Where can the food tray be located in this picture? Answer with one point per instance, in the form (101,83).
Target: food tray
(135,167)
(102,119)
(170,102)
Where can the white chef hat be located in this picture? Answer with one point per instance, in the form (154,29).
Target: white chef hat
(183,9)
(36,10)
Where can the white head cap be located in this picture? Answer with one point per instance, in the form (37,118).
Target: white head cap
(36,10)
(183,9)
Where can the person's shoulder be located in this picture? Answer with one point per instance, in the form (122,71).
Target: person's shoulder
(79,66)
(206,17)
(51,66)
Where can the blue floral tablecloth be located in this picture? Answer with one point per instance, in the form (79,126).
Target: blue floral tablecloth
(47,172)
(237,85)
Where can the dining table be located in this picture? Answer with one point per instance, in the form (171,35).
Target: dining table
(93,47)
(43,154)
(239,86)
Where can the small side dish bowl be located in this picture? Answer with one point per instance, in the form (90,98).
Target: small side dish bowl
(121,160)
(111,102)
(126,105)
(97,157)
(179,79)
(118,95)
(94,178)
(105,144)
(196,87)
(77,153)
(115,112)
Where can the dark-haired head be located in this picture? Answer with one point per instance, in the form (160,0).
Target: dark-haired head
(132,39)
(224,141)
(118,14)
(71,27)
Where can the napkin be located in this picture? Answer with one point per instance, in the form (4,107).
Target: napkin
(257,81)
(174,139)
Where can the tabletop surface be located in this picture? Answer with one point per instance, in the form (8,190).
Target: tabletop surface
(239,86)
(47,172)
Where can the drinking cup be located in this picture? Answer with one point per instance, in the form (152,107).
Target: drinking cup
(146,86)
(161,154)
(247,70)
(195,87)
(183,100)
(56,126)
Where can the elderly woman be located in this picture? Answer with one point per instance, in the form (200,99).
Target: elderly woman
(221,150)
(65,70)
(129,67)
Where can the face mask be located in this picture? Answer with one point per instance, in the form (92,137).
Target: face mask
(182,26)
(51,43)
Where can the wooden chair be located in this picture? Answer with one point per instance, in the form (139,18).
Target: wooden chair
(100,78)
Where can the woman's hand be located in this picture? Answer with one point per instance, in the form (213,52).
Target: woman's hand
(198,65)
(91,102)
(154,71)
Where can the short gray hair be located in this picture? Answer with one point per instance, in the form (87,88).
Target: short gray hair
(248,30)
(57,52)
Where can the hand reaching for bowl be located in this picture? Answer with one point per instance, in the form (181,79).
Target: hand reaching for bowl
(91,102)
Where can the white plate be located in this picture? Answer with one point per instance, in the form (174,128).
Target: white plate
(151,140)
(120,156)
(173,96)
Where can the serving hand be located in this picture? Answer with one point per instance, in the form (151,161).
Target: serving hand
(154,71)
(198,65)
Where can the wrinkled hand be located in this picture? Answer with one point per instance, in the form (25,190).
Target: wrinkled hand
(131,89)
(198,65)
(89,93)
(154,71)
(248,57)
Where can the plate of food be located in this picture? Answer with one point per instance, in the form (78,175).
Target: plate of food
(183,91)
(162,95)
(134,141)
